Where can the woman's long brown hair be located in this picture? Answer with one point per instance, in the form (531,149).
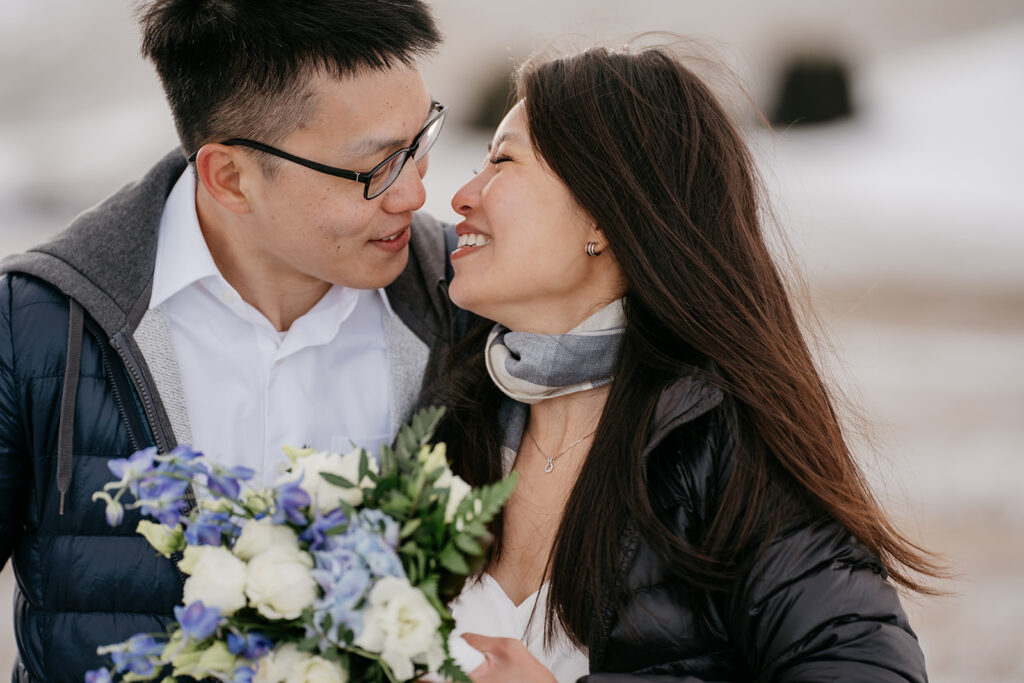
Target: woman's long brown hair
(651,155)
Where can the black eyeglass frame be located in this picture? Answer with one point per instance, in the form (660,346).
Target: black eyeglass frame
(437,117)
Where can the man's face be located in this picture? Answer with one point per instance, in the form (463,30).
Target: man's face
(307,226)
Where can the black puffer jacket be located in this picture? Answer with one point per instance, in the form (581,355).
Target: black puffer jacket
(819,608)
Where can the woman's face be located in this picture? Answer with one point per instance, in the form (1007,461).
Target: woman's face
(522,257)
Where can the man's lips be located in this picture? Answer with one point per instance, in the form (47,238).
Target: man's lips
(394,242)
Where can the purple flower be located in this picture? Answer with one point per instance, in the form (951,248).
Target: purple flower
(226,482)
(243,674)
(115,513)
(316,533)
(197,622)
(185,453)
(98,676)
(291,499)
(137,655)
(208,527)
(163,498)
(129,470)
(252,645)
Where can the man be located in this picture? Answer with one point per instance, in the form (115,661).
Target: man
(248,292)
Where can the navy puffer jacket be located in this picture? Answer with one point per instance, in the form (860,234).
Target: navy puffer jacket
(81,583)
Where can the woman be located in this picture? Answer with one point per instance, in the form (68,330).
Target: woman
(687,508)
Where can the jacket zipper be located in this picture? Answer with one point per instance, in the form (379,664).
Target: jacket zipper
(162,443)
(108,370)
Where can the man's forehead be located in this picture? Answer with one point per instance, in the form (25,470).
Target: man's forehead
(377,110)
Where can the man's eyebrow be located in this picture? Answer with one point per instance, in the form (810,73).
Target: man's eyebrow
(367,147)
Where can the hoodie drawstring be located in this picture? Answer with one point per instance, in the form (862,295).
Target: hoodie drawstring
(69,394)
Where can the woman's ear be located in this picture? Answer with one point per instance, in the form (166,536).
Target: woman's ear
(223,170)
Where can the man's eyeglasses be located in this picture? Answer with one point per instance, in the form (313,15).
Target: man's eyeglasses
(381,176)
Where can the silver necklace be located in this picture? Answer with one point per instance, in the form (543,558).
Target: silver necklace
(551,459)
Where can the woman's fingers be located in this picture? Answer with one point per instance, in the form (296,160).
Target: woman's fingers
(505,659)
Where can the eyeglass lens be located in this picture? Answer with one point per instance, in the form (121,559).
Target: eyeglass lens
(388,173)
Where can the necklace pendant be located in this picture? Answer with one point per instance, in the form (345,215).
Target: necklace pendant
(550,466)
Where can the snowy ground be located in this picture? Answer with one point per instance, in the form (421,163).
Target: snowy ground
(909,223)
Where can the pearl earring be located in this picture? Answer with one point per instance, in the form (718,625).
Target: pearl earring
(592,249)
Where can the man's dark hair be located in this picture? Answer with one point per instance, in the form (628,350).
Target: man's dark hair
(240,68)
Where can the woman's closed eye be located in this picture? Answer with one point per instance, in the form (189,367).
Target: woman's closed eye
(499,158)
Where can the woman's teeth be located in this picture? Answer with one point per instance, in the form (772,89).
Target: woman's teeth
(389,239)
(473,240)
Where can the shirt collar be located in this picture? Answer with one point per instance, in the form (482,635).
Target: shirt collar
(182,256)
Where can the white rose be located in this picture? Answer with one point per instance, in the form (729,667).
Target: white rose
(277,665)
(260,535)
(317,670)
(217,578)
(279,583)
(457,490)
(402,626)
(325,496)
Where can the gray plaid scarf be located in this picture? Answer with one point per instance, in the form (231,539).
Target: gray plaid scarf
(533,367)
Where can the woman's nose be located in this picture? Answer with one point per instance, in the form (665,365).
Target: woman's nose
(465,197)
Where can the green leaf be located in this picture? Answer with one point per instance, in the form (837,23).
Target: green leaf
(467,545)
(337,481)
(309,644)
(452,560)
(451,671)
(364,464)
(491,498)
(410,527)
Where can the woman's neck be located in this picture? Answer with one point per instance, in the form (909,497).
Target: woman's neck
(558,421)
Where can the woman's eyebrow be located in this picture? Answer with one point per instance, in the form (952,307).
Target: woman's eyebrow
(507,135)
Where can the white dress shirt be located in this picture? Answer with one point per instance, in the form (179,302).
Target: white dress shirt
(250,389)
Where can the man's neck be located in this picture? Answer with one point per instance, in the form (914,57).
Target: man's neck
(281,299)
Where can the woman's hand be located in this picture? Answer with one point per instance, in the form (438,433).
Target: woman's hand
(506,660)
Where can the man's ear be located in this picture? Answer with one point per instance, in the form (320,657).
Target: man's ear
(222,171)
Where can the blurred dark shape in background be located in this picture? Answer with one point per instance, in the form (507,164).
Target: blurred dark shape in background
(494,100)
(814,89)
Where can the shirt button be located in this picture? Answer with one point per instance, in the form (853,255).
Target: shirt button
(229,296)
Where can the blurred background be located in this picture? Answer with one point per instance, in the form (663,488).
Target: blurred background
(896,173)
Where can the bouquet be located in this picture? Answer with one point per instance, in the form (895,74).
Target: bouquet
(342,570)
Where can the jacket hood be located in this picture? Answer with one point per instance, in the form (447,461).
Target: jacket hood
(104,259)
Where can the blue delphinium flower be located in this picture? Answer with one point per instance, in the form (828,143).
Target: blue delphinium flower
(197,621)
(136,655)
(184,453)
(163,497)
(379,555)
(129,470)
(226,482)
(345,580)
(252,645)
(380,523)
(290,501)
(316,534)
(208,527)
(98,676)
(243,674)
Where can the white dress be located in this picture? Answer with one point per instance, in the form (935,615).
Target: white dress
(483,608)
